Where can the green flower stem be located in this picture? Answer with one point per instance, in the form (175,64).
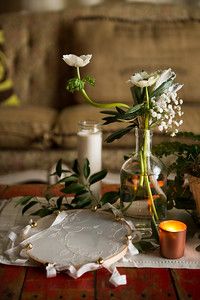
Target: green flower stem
(78,72)
(147,108)
(144,160)
(99,105)
(141,182)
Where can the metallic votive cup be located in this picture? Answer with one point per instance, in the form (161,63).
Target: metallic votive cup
(172,236)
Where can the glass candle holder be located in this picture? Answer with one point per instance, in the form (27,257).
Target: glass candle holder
(90,147)
(172,236)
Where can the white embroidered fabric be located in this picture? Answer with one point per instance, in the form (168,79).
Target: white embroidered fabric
(75,231)
(78,237)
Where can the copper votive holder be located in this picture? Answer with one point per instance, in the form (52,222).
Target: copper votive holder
(172,236)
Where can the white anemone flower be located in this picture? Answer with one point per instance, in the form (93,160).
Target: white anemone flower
(77,61)
(143,79)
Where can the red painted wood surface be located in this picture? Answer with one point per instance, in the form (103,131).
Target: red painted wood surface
(11,281)
(145,283)
(37,286)
(187,283)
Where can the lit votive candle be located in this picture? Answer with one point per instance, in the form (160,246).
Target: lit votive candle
(172,236)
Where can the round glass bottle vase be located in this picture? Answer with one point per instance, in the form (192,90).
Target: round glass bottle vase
(90,146)
(143,180)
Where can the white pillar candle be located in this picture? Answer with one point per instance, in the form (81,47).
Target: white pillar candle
(90,147)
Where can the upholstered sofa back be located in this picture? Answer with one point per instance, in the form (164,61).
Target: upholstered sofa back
(123,39)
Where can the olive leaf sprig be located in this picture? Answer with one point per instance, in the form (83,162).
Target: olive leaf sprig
(74,193)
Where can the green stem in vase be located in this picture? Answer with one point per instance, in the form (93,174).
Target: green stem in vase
(141,182)
(144,160)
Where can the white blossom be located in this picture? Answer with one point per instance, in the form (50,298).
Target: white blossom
(143,79)
(159,116)
(180,101)
(77,61)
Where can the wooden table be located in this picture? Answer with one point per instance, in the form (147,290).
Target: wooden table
(146,283)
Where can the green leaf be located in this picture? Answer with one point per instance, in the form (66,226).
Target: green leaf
(120,110)
(97,176)
(75,167)
(137,94)
(23,200)
(70,179)
(82,200)
(160,90)
(134,108)
(110,119)
(59,202)
(59,168)
(42,212)
(85,195)
(73,188)
(119,133)
(109,197)
(29,205)
(144,246)
(75,84)
(48,196)
(82,203)
(154,231)
(89,79)
(108,112)
(86,168)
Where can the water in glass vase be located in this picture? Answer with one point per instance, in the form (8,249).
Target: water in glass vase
(143,179)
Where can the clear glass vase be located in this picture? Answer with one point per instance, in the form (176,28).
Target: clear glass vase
(143,182)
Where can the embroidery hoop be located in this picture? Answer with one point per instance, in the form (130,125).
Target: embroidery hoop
(108,236)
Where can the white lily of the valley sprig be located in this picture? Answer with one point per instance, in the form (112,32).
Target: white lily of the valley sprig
(77,61)
(143,79)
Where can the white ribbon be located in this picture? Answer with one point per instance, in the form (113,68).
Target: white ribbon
(26,230)
(73,272)
(12,237)
(61,216)
(132,250)
(116,279)
(51,270)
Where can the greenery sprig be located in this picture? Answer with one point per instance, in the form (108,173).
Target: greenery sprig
(75,194)
(186,161)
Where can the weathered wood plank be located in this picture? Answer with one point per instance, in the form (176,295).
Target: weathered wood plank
(141,284)
(11,282)
(37,286)
(187,283)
